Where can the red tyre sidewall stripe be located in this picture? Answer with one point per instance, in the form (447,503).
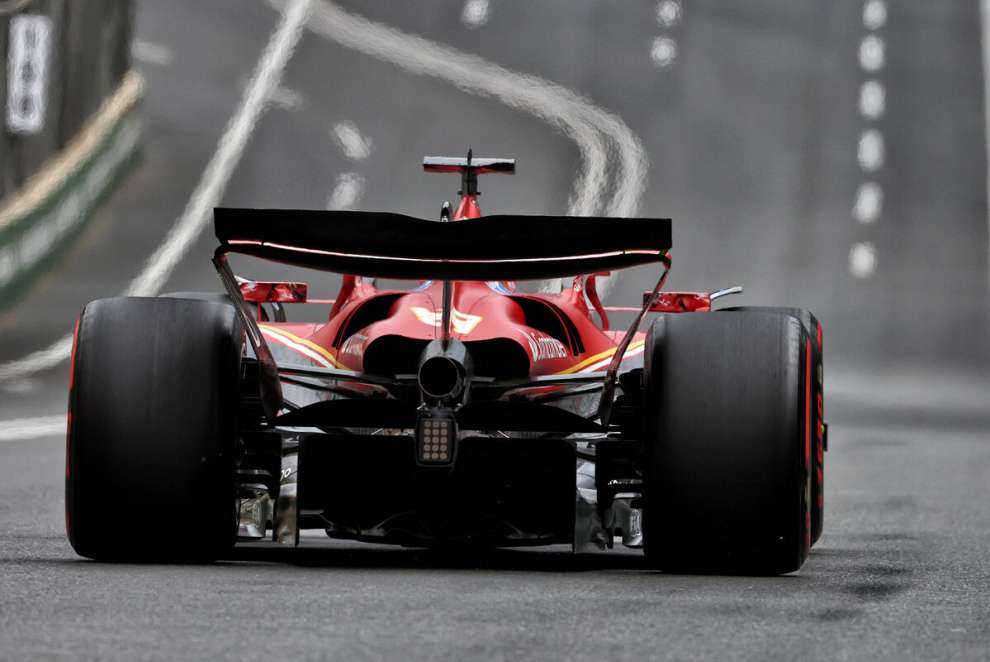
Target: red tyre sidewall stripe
(820,452)
(807,442)
(72,356)
(68,424)
(819,425)
(72,386)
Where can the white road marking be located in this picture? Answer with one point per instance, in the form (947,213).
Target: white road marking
(870,152)
(872,100)
(985,43)
(212,184)
(43,359)
(577,117)
(286,98)
(347,192)
(663,52)
(668,13)
(152,53)
(20,429)
(872,53)
(354,145)
(21,387)
(198,211)
(869,203)
(863,259)
(874,14)
(546,100)
(476,13)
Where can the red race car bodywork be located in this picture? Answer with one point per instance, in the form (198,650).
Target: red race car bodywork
(461,408)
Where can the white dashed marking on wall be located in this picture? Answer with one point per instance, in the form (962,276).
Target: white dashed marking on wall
(869,203)
(668,13)
(663,48)
(872,100)
(874,14)
(871,150)
(664,51)
(872,53)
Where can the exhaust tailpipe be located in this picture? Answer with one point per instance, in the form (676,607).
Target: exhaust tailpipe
(445,373)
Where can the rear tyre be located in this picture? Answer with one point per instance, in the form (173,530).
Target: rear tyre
(153,406)
(813,329)
(728,457)
(216,297)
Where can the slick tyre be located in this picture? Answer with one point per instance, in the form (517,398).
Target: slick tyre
(216,297)
(728,449)
(813,329)
(153,404)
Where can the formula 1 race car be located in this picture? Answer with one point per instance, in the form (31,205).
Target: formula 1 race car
(452,409)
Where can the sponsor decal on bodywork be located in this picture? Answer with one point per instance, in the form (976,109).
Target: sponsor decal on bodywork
(462,323)
(545,347)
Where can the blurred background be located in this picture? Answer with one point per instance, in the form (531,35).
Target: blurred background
(830,157)
(826,155)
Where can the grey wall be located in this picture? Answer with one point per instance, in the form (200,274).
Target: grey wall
(90,53)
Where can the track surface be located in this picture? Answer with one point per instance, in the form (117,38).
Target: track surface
(752,135)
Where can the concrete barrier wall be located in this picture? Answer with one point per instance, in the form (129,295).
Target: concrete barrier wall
(53,173)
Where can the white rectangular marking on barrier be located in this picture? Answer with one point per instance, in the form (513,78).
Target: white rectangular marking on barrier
(27,72)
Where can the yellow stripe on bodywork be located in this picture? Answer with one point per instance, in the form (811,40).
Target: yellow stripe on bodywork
(598,357)
(330,357)
(308,343)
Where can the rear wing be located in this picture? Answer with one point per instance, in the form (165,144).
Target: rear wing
(499,247)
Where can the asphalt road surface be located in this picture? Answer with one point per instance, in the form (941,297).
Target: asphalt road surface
(827,155)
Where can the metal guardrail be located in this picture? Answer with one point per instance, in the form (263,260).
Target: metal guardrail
(86,57)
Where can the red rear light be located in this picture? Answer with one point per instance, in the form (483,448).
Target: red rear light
(436,438)
(278,292)
(681,302)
